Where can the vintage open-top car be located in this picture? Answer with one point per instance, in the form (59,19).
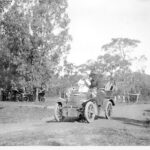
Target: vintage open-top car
(84,105)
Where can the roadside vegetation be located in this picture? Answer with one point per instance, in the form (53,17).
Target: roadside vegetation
(34,44)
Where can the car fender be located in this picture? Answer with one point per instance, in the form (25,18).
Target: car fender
(61,101)
(89,100)
(105,102)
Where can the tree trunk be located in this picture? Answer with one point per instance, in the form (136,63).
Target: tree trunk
(137,100)
(36,94)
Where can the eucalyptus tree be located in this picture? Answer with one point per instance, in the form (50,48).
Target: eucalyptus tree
(122,48)
(34,36)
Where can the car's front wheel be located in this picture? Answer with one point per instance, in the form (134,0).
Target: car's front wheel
(90,112)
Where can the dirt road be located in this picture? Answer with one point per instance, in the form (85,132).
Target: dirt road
(130,125)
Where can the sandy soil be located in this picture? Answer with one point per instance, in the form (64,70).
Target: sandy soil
(23,125)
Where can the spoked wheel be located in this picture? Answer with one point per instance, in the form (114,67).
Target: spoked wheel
(58,113)
(26,99)
(89,112)
(108,110)
(42,99)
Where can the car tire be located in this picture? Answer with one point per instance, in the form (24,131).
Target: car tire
(108,110)
(90,112)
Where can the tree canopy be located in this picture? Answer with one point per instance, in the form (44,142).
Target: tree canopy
(34,36)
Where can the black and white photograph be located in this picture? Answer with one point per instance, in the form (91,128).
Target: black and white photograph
(74,73)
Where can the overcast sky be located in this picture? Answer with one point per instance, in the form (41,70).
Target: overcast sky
(95,22)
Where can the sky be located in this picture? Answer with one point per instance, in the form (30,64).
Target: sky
(95,22)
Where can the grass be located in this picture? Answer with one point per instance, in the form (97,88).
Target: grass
(70,133)
(16,112)
(97,136)
(22,114)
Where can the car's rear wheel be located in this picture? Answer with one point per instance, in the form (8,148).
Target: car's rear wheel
(58,112)
(108,110)
(90,112)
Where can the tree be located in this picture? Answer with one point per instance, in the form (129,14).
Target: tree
(141,63)
(34,36)
(70,76)
(121,46)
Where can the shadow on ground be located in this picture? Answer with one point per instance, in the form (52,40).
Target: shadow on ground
(68,119)
(147,110)
(140,123)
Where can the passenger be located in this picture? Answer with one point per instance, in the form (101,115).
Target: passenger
(110,86)
(84,86)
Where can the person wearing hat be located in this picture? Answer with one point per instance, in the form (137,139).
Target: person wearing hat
(84,84)
(97,84)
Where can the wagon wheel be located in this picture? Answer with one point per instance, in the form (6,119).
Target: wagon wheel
(26,99)
(58,113)
(108,110)
(89,112)
(42,99)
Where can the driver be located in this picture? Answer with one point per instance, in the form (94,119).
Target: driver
(97,84)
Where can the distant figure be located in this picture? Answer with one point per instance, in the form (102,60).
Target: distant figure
(41,95)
